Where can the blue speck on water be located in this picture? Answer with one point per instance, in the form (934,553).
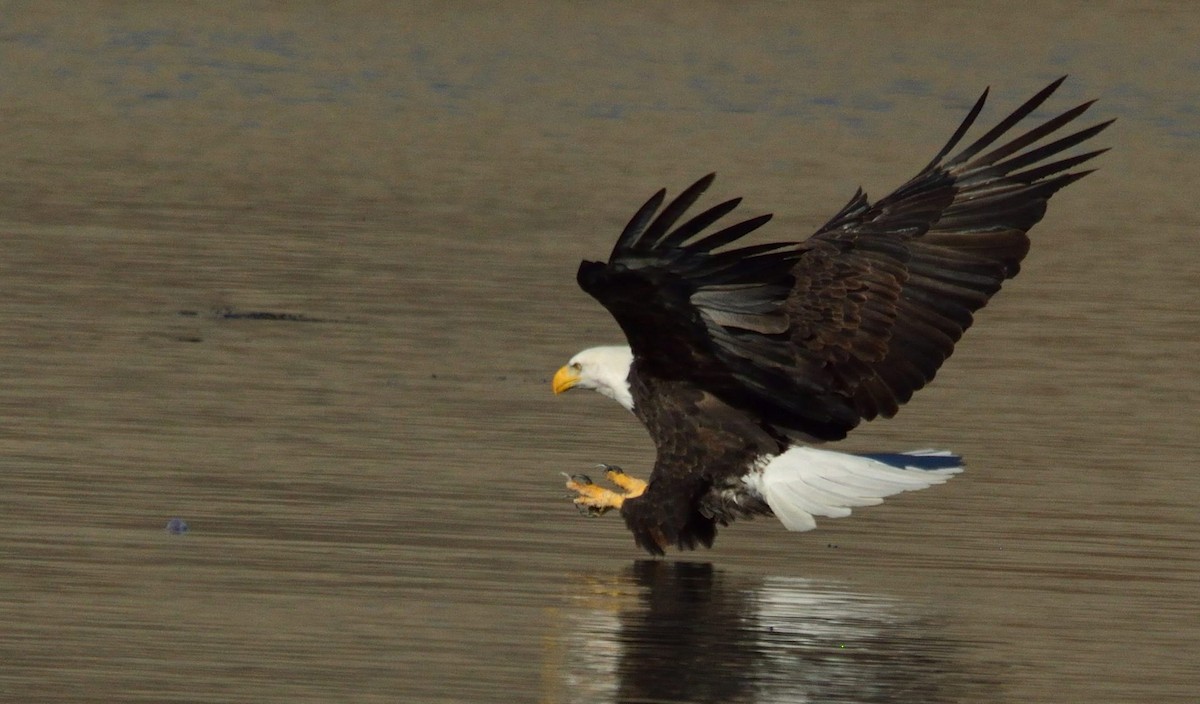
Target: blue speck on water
(177,526)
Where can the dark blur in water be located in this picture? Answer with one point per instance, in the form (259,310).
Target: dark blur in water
(369,474)
(689,631)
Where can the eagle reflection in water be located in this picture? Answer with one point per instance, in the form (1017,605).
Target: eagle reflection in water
(687,632)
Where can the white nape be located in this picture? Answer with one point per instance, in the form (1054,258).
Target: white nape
(805,482)
(606,370)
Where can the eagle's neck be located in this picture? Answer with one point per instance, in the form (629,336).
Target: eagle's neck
(614,373)
(618,387)
(621,395)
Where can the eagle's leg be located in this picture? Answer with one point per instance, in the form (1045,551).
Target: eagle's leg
(633,486)
(595,500)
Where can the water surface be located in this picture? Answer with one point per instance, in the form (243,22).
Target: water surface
(370,473)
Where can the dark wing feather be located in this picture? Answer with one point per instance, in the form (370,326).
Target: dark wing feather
(922,260)
(652,275)
(813,337)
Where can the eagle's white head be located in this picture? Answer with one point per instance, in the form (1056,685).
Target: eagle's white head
(603,369)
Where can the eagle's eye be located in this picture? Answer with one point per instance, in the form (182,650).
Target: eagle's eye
(577,366)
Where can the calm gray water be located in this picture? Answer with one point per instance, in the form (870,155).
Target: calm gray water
(371,482)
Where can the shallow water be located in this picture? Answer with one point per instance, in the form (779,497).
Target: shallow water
(371,486)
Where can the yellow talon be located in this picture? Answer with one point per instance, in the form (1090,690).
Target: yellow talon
(596,500)
(633,486)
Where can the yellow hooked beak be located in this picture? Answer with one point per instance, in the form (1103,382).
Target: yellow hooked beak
(564,379)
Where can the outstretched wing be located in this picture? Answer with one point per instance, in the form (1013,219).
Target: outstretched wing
(816,336)
(884,291)
(668,290)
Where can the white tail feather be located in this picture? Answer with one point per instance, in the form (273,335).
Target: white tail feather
(805,482)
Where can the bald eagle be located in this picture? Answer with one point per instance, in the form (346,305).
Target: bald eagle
(740,359)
